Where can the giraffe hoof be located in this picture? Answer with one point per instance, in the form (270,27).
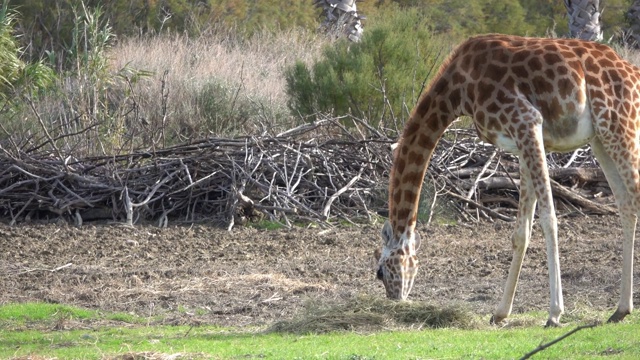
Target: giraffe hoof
(495,320)
(617,316)
(551,323)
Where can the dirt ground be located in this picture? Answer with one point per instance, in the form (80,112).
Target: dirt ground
(255,277)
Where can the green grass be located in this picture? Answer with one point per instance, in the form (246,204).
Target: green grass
(613,341)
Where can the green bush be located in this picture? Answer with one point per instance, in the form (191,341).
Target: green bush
(16,76)
(378,79)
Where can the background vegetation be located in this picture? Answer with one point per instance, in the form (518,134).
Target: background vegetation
(110,77)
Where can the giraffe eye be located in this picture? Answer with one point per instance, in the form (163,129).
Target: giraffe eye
(379,274)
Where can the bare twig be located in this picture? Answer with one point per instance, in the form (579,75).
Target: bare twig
(544,346)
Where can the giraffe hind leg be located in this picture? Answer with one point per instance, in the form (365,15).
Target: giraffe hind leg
(627,199)
(520,241)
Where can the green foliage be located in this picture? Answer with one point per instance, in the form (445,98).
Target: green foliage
(16,76)
(518,17)
(378,78)
(48,25)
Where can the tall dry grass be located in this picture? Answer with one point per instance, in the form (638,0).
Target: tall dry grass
(218,83)
(156,91)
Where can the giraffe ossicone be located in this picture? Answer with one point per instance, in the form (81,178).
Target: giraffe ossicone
(527,96)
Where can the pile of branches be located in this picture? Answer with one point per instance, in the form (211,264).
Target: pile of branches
(319,172)
(483,181)
(310,173)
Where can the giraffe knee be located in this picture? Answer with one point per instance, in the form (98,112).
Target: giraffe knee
(519,240)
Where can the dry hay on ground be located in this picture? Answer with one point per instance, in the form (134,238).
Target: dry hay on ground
(366,313)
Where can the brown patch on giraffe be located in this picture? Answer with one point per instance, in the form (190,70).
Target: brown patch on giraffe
(520,56)
(501,98)
(579,51)
(550,74)
(614,75)
(611,55)
(479,46)
(535,64)
(426,142)
(493,108)
(607,63)
(501,56)
(397,198)
(444,108)
(567,54)
(413,178)
(455,97)
(509,83)
(484,91)
(591,65)
(466,61)
(423,108)
(412,126)
(417,158)
(520,71)
(542,84)
(457,78)
(495,72)
(403,214)
(433,123)
(396,182)
(562,70)
(441,85)
(400,164)
(565,88)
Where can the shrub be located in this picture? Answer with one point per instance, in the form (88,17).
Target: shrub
(379,78)
(16,76)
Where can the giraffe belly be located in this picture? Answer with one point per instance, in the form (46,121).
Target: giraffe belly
(561,135)
(568,134)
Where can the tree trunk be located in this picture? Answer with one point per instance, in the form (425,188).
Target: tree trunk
(631,35)
(341,18)
(584,19)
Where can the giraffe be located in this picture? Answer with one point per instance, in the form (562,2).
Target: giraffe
(526,96)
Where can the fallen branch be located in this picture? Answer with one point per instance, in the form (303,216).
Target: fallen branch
(551,343)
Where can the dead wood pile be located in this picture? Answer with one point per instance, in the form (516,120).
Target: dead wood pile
(318,172)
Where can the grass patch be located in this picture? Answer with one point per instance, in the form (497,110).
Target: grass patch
(613,341)
(55,316)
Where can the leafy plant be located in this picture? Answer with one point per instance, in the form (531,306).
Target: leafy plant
(16,76)
(379,78)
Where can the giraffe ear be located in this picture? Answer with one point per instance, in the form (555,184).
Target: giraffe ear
(417,241)
(387,234)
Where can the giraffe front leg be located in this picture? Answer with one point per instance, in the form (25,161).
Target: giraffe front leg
(520,241)
(549,223)
(550,229)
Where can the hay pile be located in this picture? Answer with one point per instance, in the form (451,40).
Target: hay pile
(375,314)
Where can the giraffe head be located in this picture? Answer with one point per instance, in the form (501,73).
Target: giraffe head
(397,262)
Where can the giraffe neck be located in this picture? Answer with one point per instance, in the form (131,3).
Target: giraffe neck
(423,130)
